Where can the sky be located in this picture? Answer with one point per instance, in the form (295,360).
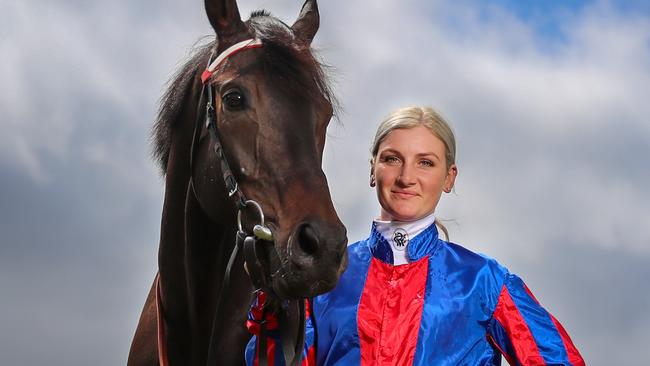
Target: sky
(548,100)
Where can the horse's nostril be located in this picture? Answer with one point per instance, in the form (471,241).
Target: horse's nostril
(307,239)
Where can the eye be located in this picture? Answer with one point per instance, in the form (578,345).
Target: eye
(233,100)
(426,163)
(391,159)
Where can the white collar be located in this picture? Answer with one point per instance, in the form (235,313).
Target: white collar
(398,234)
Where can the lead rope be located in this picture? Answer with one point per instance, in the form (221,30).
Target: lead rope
(225,288)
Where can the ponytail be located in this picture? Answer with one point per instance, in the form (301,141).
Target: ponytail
(442,228)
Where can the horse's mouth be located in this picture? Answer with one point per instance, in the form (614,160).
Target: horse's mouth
(289,280)
(287,289)
(285,281)
(277,275)
(287,271)
(271,273)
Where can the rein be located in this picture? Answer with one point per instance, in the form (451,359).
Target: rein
(250,243)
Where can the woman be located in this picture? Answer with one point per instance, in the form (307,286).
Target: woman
(410,298)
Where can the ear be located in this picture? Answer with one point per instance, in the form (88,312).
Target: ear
(373,181)
(224,18)
(306,25)
(450,179)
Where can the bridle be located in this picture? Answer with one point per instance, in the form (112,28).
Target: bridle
(251,243)
(261,232)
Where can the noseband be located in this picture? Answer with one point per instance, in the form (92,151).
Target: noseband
(250,242)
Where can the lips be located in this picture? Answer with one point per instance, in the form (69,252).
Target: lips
(404,194)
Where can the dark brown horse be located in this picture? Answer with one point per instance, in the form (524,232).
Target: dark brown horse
(272,107)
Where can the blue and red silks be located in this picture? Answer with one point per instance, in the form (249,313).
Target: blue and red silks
(448,306)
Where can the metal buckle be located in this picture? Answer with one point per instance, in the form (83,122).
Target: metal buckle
(234,190)
(260,231)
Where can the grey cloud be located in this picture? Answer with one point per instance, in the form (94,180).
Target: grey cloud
(553,140)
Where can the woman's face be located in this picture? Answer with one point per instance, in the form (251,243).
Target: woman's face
(410,171)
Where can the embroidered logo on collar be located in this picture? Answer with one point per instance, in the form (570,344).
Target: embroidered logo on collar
(400,239)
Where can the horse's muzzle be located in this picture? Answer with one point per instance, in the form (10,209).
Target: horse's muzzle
(316,256)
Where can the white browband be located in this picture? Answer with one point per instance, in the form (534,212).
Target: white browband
(237,47)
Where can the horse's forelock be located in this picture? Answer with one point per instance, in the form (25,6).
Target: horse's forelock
(290,59)
(267,27)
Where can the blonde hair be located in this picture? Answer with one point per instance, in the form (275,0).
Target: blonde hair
(410,117)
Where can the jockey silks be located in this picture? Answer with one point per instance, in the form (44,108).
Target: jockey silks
(446,306)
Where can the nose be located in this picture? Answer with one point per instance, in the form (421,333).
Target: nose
(308,241)
(406,176)
(316,242)
(317,255)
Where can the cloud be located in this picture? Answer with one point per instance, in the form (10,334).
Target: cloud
(561,118)
(552,135)
(549,111)
(68,63)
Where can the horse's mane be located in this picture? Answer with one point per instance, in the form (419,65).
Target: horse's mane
(284,58)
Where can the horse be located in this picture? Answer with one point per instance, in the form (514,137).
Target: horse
(270,105)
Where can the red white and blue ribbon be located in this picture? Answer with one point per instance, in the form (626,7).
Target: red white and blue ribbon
(230,51)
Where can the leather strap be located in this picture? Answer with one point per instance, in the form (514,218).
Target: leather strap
(228,177)
(225,289)
(160,321)
(251,257)
(292,348)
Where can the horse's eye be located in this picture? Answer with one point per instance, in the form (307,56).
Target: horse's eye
(233,100)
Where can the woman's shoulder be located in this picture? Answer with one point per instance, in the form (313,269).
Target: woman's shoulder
(467,260)
(470,259)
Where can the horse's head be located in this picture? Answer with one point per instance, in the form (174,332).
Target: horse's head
(272,108)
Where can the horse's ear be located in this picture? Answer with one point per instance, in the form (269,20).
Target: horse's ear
(224,17)
(306,25)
